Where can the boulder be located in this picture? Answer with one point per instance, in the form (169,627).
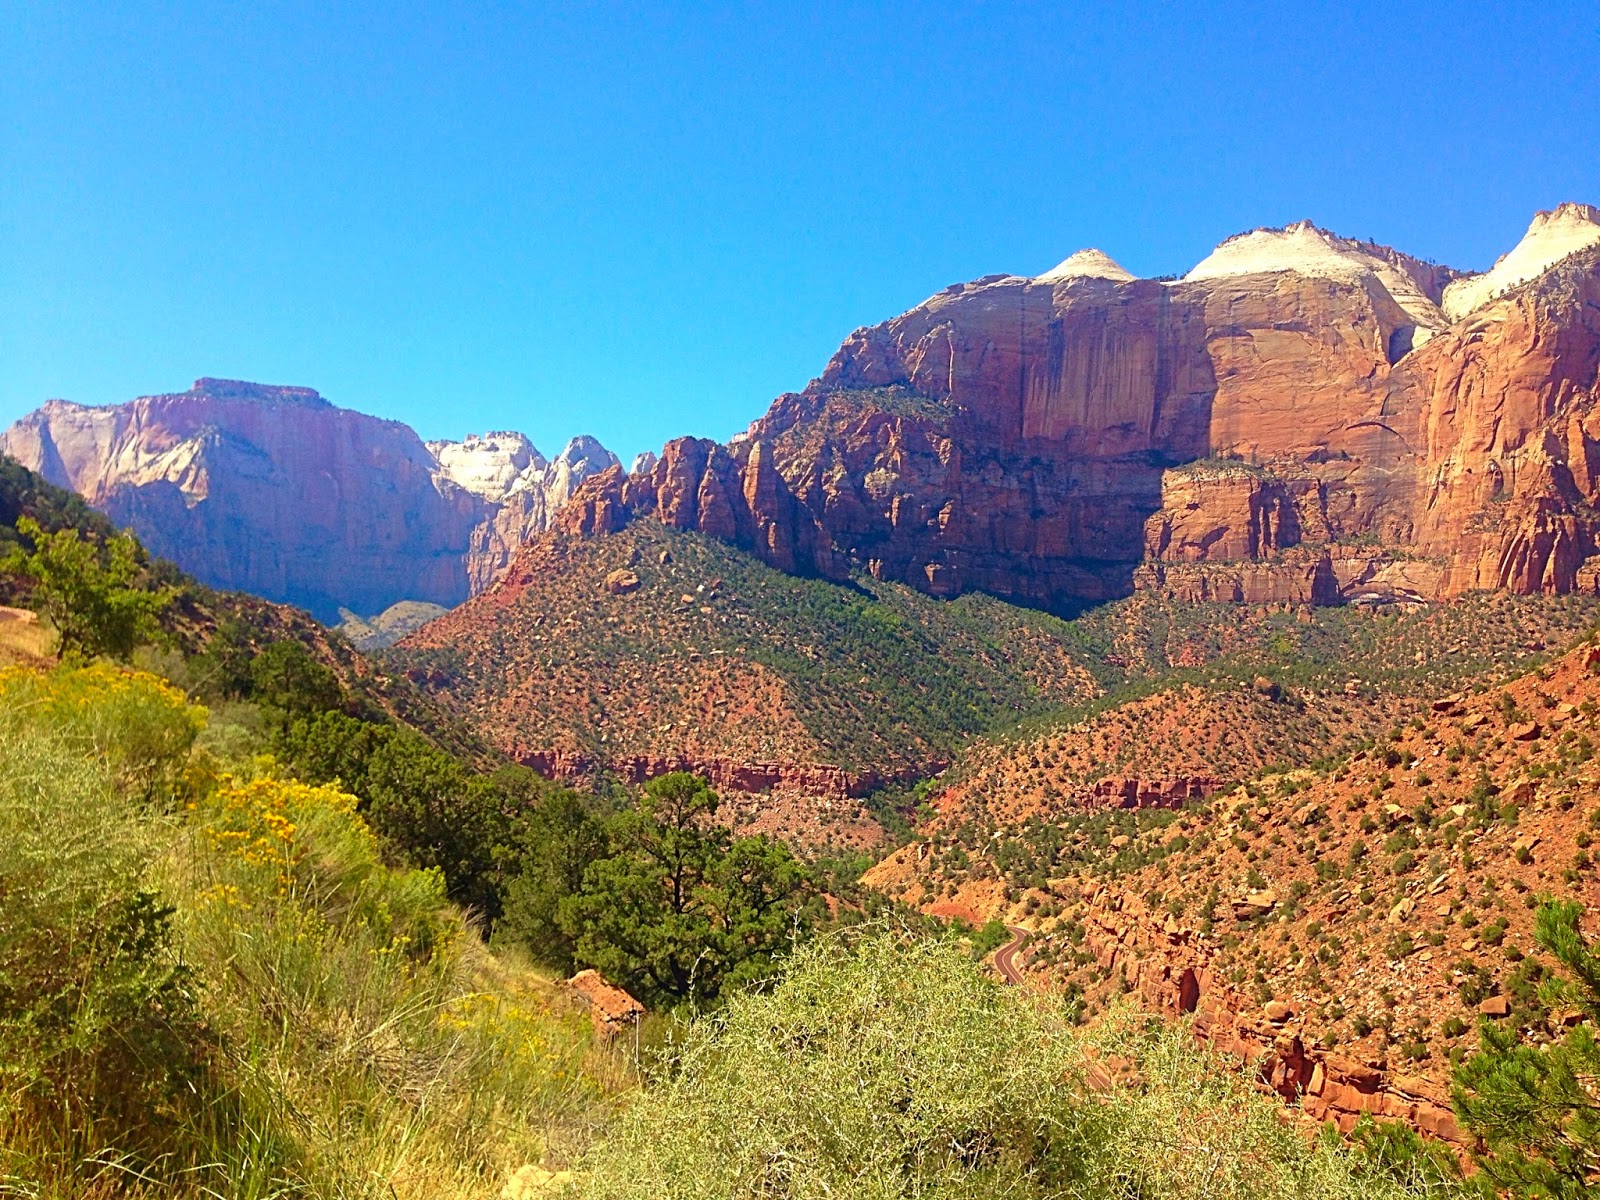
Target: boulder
(622,581)
(1497,1007)
(1254,904)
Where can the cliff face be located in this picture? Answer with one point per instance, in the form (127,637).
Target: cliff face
(521,489)
(1301,418)
(274,491)
(1297,419)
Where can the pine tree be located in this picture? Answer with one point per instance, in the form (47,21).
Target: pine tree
(1536,1108)
(681,909)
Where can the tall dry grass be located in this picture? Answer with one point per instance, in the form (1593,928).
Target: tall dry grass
(210,985)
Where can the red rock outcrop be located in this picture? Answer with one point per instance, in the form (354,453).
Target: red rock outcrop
(1132,792)
(1169,966)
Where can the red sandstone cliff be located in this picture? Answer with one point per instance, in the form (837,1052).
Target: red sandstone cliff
(1301,418)
(1297,419)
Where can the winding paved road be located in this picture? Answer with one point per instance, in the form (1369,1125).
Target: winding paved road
(1008,959)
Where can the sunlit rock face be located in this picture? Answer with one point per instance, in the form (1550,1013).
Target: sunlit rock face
(273,490)
(1302,417)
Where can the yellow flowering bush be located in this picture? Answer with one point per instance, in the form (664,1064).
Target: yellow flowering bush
(215,985)
(295,846)
(140,725)
(524,1038)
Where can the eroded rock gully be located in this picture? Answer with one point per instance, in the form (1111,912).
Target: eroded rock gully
(1169,967)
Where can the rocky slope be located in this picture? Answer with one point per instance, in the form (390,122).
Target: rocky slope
(1300,418)
(1211,697)
(653,650)
(275,491)
(1344,926)
(389,626)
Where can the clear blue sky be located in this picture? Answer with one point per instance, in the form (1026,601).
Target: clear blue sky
(646,221)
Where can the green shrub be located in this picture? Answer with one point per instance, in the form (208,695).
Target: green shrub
(90,589)
(1391,1150)
(222,989)
(1533,1106)
(895,1068)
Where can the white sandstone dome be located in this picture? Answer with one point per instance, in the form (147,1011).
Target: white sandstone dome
(1087,264)
(1560,233)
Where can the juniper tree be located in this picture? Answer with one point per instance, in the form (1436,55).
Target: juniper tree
(89,590)
(1537,1108)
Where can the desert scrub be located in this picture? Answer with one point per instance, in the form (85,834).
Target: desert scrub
(98,1029)
(893,1067)
(294,847)
(219,987)
(369,1037)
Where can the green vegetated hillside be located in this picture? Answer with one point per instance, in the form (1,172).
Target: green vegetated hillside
(694,648)
(1229,691)
(209,638)
(218,983)
(24,494)
(701,647)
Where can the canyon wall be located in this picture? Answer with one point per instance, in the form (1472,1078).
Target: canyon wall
(1296,420)
(1301,418)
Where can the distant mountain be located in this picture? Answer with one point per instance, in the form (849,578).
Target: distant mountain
(389,626)
(275,491)
(1297,423)
(1303,417)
